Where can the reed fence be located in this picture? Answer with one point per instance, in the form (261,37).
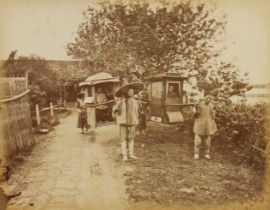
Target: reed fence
(15,119)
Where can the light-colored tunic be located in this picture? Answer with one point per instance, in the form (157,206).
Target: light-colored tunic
(127,112)
(205,124)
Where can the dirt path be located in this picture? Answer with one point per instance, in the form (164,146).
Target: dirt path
(70,172)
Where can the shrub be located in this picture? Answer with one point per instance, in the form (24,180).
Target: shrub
(242,128)
(43,81)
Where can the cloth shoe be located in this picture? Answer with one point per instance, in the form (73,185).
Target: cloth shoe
(196,156)
(133,157)
(207,157)
(125,158)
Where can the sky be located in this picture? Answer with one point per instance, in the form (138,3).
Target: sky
(45,27)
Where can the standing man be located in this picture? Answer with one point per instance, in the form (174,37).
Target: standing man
(127,114)
(142,101)
(204,126)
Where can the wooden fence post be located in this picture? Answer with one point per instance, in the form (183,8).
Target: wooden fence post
(26,80)
(37,114)
(64,97)
(51,108)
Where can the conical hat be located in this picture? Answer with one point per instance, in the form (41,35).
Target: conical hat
(136,86)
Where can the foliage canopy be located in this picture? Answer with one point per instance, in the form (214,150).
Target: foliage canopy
(140,38)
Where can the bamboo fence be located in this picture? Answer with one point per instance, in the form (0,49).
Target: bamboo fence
(15,121)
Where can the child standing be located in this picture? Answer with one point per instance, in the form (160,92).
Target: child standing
(82,114)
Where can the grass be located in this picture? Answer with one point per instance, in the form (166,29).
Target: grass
(167,173)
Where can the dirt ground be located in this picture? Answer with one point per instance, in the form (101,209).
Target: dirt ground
(65,170)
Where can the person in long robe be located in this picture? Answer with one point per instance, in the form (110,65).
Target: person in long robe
(204,126)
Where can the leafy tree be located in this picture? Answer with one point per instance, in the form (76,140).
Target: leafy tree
(139,38)
(43,81)
(11,59)
(224,81)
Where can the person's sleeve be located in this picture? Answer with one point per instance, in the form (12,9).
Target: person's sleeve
(78,107)
(117,107)
(140,108)
(114,111)
(196,110)
(212,110)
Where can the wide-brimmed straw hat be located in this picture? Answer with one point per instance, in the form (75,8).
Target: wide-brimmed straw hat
(136,86)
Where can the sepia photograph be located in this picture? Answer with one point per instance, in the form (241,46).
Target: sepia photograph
(134,104)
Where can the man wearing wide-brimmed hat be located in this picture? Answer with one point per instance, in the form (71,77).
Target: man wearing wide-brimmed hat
(127,114)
